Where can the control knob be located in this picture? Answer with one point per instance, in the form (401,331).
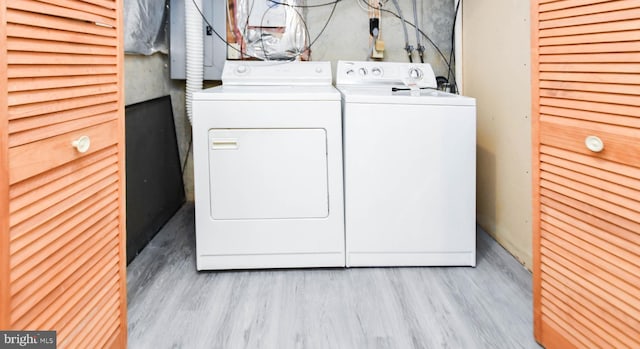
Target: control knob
(415,73)
(241,69)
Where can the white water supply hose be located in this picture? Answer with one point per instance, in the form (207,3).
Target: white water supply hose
(407,47)
(194,51)
(419,46)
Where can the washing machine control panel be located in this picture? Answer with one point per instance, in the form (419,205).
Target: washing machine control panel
(267,73)
(385,73)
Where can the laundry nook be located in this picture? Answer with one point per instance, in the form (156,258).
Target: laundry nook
(319,174)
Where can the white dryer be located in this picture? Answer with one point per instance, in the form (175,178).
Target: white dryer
(410,164)
(268,168)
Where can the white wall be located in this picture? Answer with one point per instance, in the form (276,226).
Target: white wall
(496,48)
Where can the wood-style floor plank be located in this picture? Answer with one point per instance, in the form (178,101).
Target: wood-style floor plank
(171,305)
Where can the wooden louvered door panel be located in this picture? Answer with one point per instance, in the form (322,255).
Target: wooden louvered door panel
(586,82)
(62,265)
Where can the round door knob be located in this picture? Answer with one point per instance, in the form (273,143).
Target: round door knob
(82,144)
(594,144)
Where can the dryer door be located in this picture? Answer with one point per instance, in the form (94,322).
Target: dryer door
(268,173)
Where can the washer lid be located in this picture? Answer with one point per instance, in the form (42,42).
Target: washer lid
(268,93)
(389,95)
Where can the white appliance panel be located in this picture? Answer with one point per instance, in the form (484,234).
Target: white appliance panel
(409,182)
(269,242)
(268,173)
(410,157)
(276,73)
(370,73)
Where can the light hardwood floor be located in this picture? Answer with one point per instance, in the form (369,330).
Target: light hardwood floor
(171,305)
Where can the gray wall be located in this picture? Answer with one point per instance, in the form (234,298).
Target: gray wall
(496,72)
(147,77)
(347,35)
(346,38)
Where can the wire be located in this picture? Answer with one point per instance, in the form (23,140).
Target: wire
(452,58)
(334,3)
(305,6)
(362,7)
(333,10)
(304,23)
(306,30)
(213,29)
(396,89)
(186,156)
(407,47)
(425,36)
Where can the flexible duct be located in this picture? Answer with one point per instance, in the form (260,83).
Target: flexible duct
(195,51)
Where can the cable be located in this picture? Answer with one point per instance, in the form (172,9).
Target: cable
(307,37)
(213,29)
(396,89)
(334,3)
(419,46)
(305,6)
(452,58)
(186,156)
(407,47)
(304,23)
(424,35)
(333,10)
(365,9)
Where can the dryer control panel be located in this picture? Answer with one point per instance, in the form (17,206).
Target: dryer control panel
(276,73)
(385,73)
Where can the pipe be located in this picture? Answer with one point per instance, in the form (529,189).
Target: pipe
(194,51)
(407,47)
(419,46)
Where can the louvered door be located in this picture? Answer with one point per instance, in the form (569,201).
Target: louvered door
(586,84)
(62,261)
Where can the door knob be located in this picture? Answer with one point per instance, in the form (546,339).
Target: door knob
(594,144)
(82,144)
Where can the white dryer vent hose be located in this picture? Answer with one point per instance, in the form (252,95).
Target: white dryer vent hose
(195,51)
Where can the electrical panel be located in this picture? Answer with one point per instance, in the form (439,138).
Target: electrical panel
(215,48)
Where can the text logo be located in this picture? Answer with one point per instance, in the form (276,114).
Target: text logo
(28,340)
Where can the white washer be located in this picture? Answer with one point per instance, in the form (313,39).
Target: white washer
(268,168)
(410,164)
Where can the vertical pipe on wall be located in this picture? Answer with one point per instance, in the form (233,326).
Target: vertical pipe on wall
(194,50)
